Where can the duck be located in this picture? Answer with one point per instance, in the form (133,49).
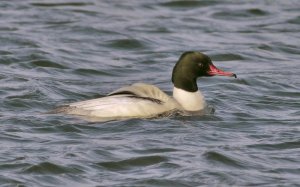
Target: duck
(141,100)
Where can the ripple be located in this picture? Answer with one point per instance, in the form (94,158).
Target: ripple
(131,163)
(50,168)
(227,57)
(166,183)
(13,166)
(277,146)
(295,20)
(240,14)
(125,44)
(90,72)
(11,29)
(15,41)
(46,63)
(68,128)
(2,52)
(61,4)
(9,181)
(188,4)
(216,157)
(155,150)
(257,12)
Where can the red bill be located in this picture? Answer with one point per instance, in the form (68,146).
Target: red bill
(213,70)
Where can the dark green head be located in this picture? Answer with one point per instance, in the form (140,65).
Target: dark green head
(192,65)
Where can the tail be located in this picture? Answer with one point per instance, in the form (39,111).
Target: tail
(61,109)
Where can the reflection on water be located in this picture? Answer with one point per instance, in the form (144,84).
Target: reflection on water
(58,52)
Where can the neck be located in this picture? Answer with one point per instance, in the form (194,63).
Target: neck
(190,101)
(186,84)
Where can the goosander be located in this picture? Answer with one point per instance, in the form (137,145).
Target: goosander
(142,100)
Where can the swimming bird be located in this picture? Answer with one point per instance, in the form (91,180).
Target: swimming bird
(142,100)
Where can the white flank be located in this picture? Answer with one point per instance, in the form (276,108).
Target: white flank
(124,106)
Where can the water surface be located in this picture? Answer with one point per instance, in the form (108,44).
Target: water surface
(56,52)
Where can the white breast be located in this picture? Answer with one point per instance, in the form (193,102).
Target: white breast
(190,101)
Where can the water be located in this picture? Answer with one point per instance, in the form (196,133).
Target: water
(56,52)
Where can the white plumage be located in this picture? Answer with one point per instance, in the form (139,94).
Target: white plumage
(135,101)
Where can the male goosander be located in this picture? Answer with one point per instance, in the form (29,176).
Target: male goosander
(145,101)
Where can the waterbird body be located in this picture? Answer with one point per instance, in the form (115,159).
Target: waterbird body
(144,101)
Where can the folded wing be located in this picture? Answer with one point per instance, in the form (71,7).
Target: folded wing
(137,100)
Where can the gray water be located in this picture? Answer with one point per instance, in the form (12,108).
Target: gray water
(56,52)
